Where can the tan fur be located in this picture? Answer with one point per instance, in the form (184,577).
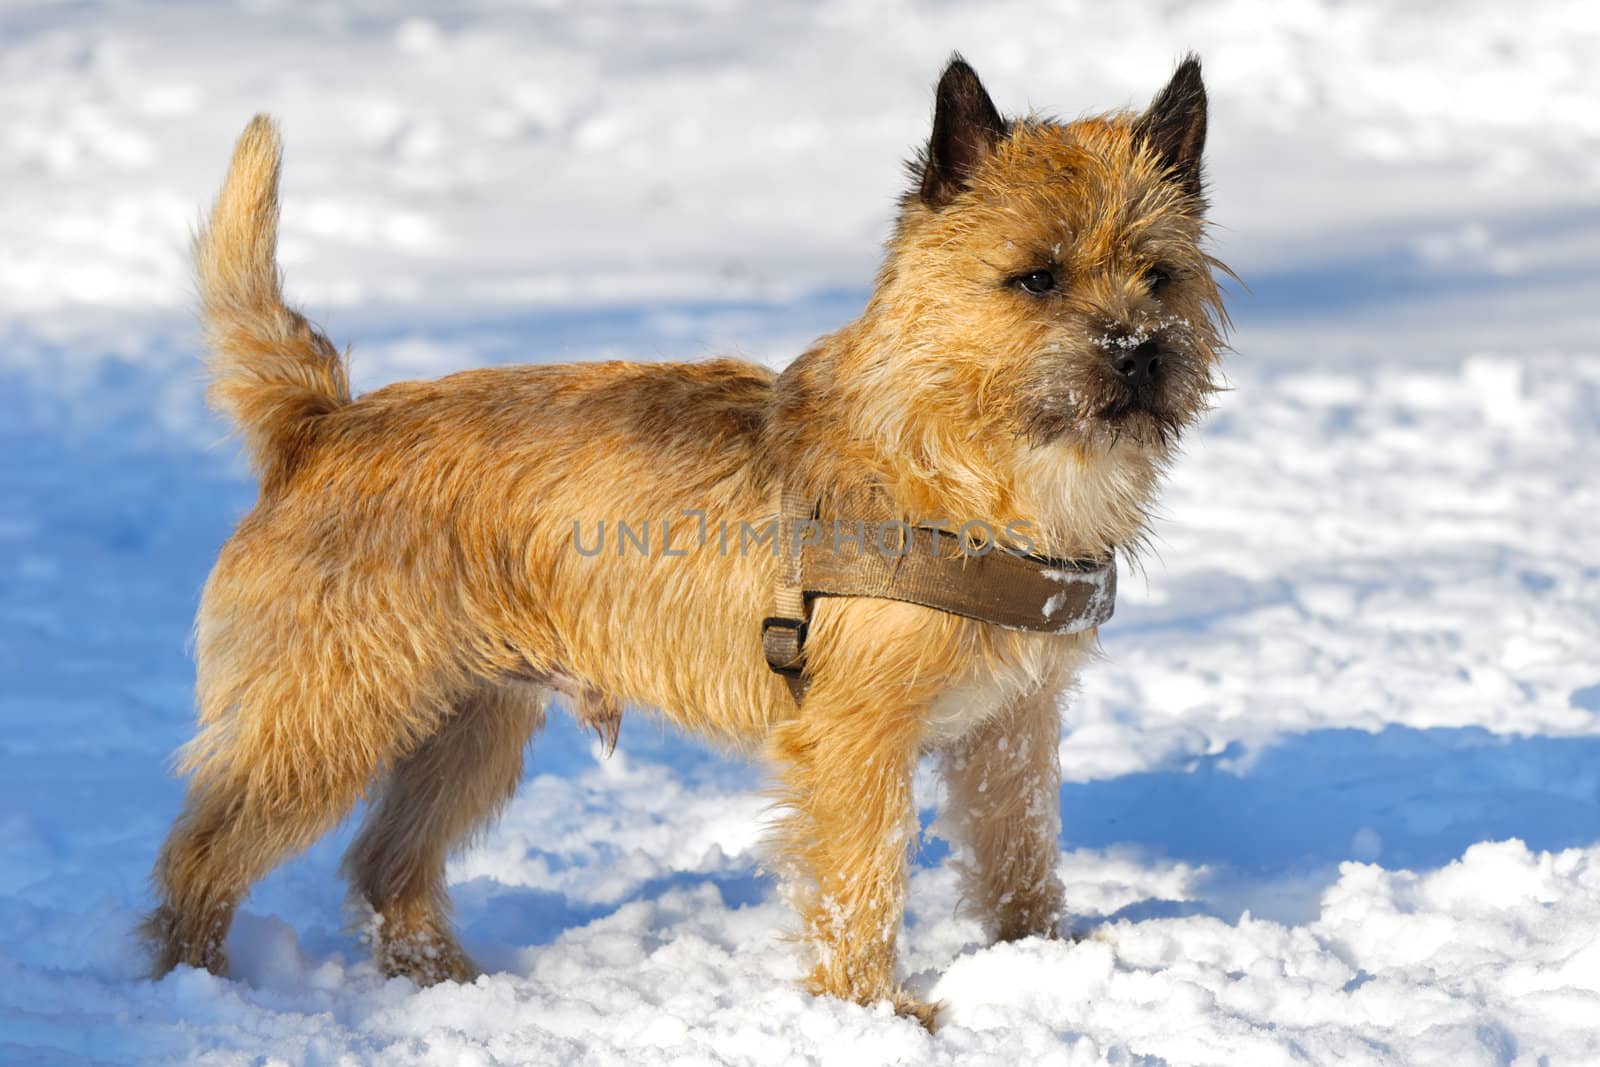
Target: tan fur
(389,619)
(1003,807)
(439,795)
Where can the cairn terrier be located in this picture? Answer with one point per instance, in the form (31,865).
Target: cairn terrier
(392,618)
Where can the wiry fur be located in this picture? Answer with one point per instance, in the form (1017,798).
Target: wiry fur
(391,618)
(272,373)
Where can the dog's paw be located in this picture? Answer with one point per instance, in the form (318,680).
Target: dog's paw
(426,960)
(170,941)
(909,1007)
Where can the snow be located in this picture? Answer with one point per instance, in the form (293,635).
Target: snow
(1332,796)
(1101,602)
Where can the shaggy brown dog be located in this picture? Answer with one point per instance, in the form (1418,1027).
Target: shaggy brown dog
(391,618)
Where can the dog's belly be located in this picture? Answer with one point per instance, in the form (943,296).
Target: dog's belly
(1021,665)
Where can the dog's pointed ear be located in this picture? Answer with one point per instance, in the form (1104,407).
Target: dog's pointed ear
(966,127)
(1175,125)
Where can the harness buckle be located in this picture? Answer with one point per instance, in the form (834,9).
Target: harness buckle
(799,627)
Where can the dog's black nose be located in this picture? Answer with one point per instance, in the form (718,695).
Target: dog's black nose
(1137,365)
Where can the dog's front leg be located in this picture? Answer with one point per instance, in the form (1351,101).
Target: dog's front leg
(1004,786)
(849,827)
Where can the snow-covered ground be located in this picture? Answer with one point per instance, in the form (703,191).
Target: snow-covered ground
(1334,794)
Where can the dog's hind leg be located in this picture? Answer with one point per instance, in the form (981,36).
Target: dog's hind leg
(433,801)
(261,792)
(205,868)
(300,713)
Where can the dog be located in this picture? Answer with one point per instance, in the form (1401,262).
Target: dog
(411,589)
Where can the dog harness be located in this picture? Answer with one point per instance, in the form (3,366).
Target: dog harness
(929,566)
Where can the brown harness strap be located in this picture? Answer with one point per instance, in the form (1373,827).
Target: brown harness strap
(783,633)
(922,565)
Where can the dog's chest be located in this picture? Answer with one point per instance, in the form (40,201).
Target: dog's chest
(1019,666)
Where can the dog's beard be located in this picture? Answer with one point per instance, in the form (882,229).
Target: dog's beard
(1081,402)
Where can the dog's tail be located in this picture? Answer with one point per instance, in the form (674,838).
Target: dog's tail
(271,371)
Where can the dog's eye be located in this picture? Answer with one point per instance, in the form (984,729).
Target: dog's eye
(1037,282)
(1158,278)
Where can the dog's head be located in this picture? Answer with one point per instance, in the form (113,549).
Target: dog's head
(1053,274)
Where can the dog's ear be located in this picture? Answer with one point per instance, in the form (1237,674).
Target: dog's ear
(966,127)
(1175,125)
